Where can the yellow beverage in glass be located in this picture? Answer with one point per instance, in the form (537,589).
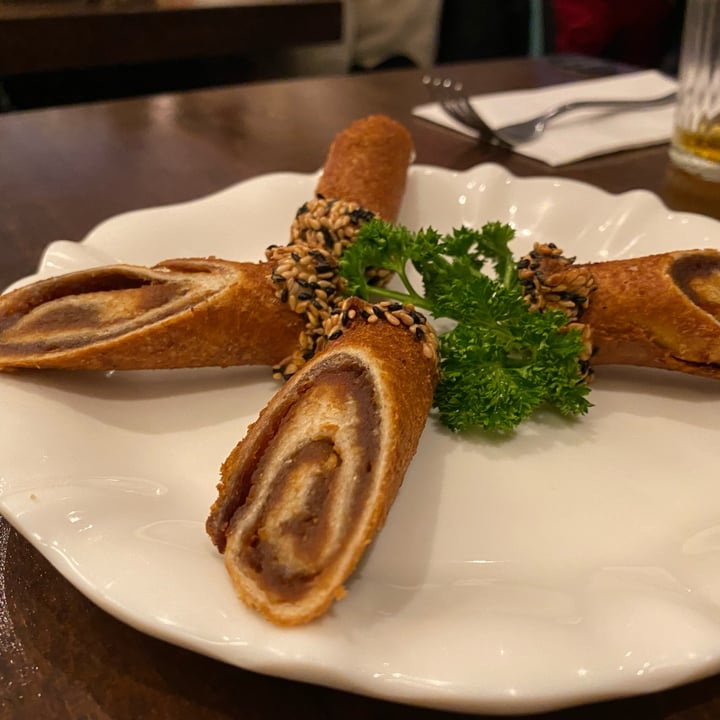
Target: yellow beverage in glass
(695,145)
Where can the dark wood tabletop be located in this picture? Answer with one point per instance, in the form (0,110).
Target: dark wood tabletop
(62,171)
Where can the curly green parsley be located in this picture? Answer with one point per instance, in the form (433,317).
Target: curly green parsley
(500,362)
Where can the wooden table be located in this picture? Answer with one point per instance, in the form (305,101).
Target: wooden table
(65,170)
(66,34)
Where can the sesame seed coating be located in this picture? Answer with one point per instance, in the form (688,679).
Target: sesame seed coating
(308,292)
(305,271)
(551,281)
(327,224)
(388,311)
(305,276)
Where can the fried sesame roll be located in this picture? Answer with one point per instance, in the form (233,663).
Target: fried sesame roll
(304,493)
(194,312)
(367,164)
(177,314)
(659,311)
(364,176)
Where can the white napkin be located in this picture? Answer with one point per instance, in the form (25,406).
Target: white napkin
(581,133)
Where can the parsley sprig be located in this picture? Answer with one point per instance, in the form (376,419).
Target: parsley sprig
(500,362)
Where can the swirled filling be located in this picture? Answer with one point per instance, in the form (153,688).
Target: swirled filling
(309,484)
(699,278)
(69,314)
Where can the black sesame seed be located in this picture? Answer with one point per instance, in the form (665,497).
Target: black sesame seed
(524,263)
(284,295)
(304,296)
(295,256)
(360,214)
(335,334)
(379,312)
(327,237)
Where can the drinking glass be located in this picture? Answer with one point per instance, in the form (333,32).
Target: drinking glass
(695,145)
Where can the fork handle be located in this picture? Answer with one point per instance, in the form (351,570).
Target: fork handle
(578,104)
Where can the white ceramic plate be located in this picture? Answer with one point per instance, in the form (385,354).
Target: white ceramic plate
(576,561)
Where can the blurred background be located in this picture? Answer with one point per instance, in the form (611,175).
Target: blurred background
(366,35)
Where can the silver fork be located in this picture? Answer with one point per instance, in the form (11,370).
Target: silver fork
(449,94)
(456,103)
(523,132)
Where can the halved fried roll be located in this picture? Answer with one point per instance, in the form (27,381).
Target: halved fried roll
(178,314)
(364,175)
(659,311)
(306,490)
(193,312)
(367,164)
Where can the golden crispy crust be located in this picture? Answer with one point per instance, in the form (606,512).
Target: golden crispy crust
(367,163)
(180,313)
(307,489)
(203,312)
(658,311)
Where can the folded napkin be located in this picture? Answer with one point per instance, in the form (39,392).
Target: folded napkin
(580,133)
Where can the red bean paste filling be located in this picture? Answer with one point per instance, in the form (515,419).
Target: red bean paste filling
(700,281)
(324,462)
(149,294)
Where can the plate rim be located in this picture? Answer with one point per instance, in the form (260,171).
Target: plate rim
(417,696)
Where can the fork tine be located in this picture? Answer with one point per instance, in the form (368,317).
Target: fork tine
(445,92)
(449,94)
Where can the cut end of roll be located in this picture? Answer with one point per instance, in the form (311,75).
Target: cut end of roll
(307,489)
(181,313)
(660,311)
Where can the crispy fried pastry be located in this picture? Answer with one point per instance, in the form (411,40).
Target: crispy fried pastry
(364,176)
(659,311)
(307,489)
(194,312)
(178,314)
(367,164)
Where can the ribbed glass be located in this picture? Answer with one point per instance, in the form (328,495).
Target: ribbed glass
(695,143)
